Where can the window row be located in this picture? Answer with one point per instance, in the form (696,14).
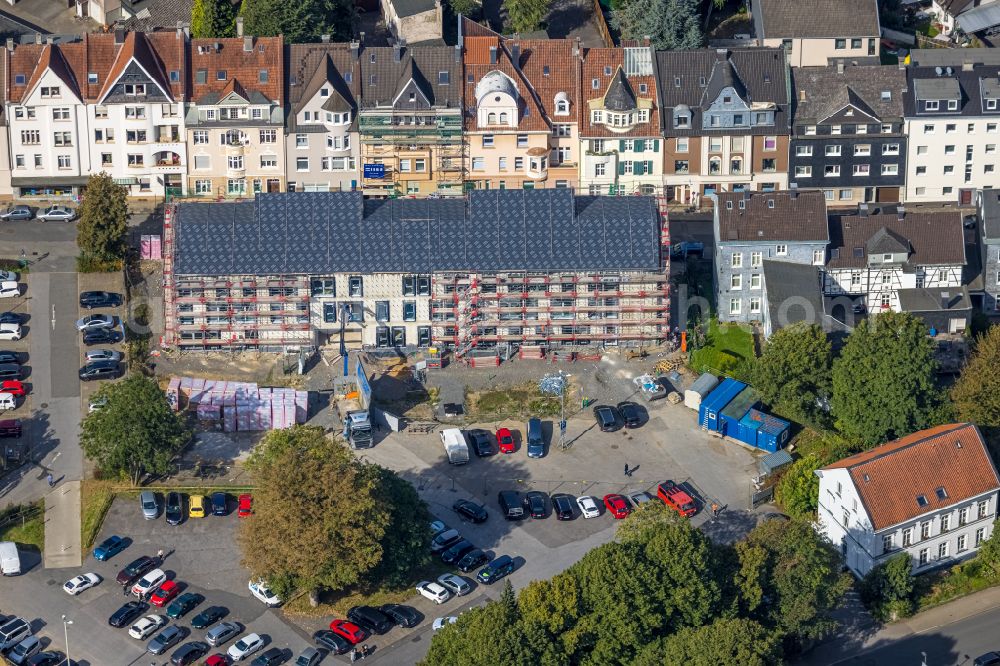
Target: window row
(859,150)
(833,170)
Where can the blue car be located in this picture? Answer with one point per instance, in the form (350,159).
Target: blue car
(109,548)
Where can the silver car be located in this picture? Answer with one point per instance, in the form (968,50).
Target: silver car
(221,633)
(103,355)
(94,322)
(17,213)
(57,214)
(150,509)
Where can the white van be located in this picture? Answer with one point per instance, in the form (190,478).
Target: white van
(7,401)
(10,561)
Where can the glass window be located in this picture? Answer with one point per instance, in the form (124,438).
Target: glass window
(355,286)
(381,310)
(409,310)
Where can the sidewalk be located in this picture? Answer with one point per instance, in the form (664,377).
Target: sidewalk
(62,526)
(850,644)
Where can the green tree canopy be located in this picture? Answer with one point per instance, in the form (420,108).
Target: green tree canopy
(526,15)
(670,24)
(888,588)
(467,8)
(798,489)
(725,641)
(136,432)
(103,224)
(300,21)
(213,18)
(323,519)
(883,381)
(989,554)
(976,394)
(795,372)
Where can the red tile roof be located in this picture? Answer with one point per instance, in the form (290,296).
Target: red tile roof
(602,64)
(237,63)
(557,55)
(891,477)
(478,50)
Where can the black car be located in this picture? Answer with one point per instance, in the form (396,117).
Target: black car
(404,616)
(188,653)
(220,504)
(48,659)
(135,570)
(99,370)
(100,299)
(333,642)
(482,442)
(9,357)
(174,509)
(606,417)
(472,560)
(10,318)
(562,506)
(535,502)
(457,552)
(630,414)
(208,617)
(471,511)
(370,618)
(127,613)
(102,336)
(272,657)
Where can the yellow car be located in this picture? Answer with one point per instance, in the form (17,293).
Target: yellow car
(196,504)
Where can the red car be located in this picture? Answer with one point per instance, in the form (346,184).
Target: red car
(165,593)
(217,660)
(617,505)
(505,440)
(348,630)
(13,387)
(246,505)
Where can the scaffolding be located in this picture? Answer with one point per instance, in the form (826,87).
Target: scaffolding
(434,136)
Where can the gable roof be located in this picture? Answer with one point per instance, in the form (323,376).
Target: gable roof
(136,47)
(885,240)
(890,478)
(802,218)
(551,67)
(820,92)
(242,69)
(311,66)
(810,19)
(934,238)
(422,64)
(604,66)
(478,67)
(52,59)
(619,96)
(788,288)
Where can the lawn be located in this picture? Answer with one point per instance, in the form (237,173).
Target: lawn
(726,348)
(30,532)
(514,402)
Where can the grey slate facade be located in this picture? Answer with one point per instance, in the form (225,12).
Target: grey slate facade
(988,208)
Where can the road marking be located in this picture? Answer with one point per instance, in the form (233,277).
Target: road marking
(56,456)
(53,316)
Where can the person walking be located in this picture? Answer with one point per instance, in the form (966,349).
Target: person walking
(50,479)
(626,469)
(159,555)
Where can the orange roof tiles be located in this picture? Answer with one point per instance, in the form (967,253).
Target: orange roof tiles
(601,64)
(532,118)
(237,63)
(552,68)
(889,478)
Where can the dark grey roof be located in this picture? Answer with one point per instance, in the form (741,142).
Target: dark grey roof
(886,241)
(820,92)
(938,88)
(392,75)
(620,96)
(411,7)
(795,294)
(989,205)
(808,19)
(683,77)
(310,67)
(212,98)
(934,238)
(771,216)
(954,57)
(934,300)
(963,84)
(327,232)
(152,15)
(723,76)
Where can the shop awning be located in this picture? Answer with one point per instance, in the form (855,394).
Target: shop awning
(54,183)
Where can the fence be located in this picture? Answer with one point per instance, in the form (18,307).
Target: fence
(19,513)
(602,25)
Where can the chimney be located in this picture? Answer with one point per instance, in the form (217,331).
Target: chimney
(493,55)
(802,95)
(361,38)
(900,213)
(325,39)
(863,210)
(119,35)
(515,55)
(945,300)
(50,40)
(793,191)
(248,43)
(840,67)
(180,29)
(10,43)
(239,26)
(38,38)
(967,66)
(397,51)
(355,50)
(576,48)
(458,53)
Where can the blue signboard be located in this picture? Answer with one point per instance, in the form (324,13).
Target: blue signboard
(374,171)
(364,388)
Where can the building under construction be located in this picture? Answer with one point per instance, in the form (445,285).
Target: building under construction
(539,268)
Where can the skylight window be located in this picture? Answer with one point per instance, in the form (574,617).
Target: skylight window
(941,493)
(921,500)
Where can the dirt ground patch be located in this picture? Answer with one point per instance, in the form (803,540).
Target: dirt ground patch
(264,368)
(515,402)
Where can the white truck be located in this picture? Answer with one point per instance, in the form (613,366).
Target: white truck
(10,561)
(357,424)
(455,446)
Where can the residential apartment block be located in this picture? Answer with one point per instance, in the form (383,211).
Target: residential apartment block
(817,32)
(726,118)
(848,135)
(753,228)
(988,214)
(931,494)
(536,267)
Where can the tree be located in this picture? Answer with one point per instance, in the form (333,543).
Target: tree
(213,18)
(526,15)
(795,372)
(670,24)
(103,225)
(798,489)
(976,394)
(883,382)
(725,641)
(989,554)
(468,8)
(136,432)
(323,519)
(300,21)
(887,590)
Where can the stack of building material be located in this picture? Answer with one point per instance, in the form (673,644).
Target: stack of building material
(240,406)
(209,411)
(174,393)
(229,417)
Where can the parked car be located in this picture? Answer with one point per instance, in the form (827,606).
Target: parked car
(638,498)
(441,622)
(146,626)
(473,560)
(9,289)
(163,595)
(495,570)
(535,503)
(99,370)
(16,214)
(220,504)
(188,653)
(471,511)
(245,505)
(562,506)
(100,299)
(370,618)
(184,604)
(8,276)
(24,650)
(271,657)
(245,647)
(536,440)
(148,583)
(10,332)
(433,591)
(335,643)
(217,660)
(47,659)
(135,569)
(606,417)
(260,590)
(505,440)
(94,322)
(150,507)
(128,612)
(196,506)
(78,584)
(308,657)
(102,336)
(10,428)
(457,551)
(404,616)
(222,632)
(437,526)
(630,413)
(348,630)
(11,318)
(511,504)
(455,584)
(174,508)
(480,441)
(617,505)
(9,358)
(165,640)
(102,355)
(110,547)
(209,616)
(57,214)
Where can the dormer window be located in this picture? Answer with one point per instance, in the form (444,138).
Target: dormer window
(886,95)
(503,118)
(491,119)
(220,75)
(953,105)
(682,118)
(413,97)
(562,104)
(133,90)
(931,105)
(595,84)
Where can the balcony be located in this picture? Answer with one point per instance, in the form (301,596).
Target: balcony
(537,165)
(235,149)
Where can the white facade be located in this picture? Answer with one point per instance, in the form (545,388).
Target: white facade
(948,158)
(621,166)
(932,539)
(322,154)
(880,284)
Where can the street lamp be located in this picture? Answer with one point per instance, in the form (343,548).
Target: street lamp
(66,624)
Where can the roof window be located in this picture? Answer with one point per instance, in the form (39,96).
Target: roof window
(19,79)
(545,70)
(770,203)
(607,70)
(886,95)
(921,500)
(941,493)
(444,78)
(220,75)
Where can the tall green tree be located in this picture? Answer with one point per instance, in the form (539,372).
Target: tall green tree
(883,381)
(725,641)
(794,374)
(135,432)
(670,24)
(213,18)
(798,489)
(976,394)
(526,15)
(300,21)
(989,554)
(323,519)
(103,224)
(887,590)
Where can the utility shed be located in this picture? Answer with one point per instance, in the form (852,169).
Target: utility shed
(772,462)
(710,411)
(770,432)
(729,418)
(699,389)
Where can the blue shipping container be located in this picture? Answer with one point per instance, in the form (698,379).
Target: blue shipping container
(772,432)
(729,417)
(746,432)
(713,404)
